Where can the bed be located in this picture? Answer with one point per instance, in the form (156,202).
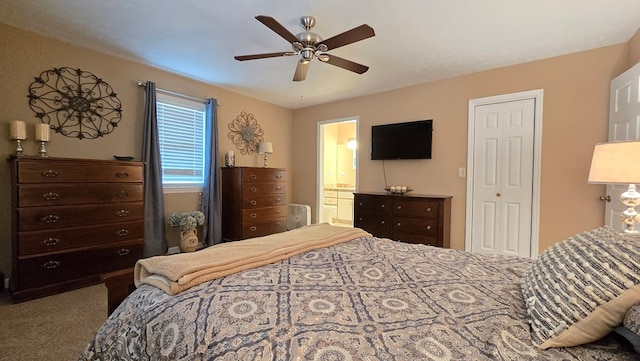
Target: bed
(363,298)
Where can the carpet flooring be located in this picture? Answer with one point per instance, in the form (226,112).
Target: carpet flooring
(57,327)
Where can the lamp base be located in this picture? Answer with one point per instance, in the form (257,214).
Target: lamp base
(265,160)
(630,217)
(43,149)
(19,148)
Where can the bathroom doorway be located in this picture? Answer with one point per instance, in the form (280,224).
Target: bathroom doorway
(337,170)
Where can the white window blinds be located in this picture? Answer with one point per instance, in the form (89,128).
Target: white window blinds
(181,135)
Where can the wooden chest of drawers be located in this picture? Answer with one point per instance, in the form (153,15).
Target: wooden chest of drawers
(73,220)
(254,202)
(411,219)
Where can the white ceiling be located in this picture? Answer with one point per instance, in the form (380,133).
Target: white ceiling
(416,40)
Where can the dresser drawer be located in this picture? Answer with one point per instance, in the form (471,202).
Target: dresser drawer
(34,218)
(372,203)
(259,229)
(419,226)
(263,214)
(82,193)
(263,201)
(51,171)
(64,266)
(376,223)
(251,175)
(412,208)
(54,240)
(263,189)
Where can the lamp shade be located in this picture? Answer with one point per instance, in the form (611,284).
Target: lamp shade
(615,162)
(265,148)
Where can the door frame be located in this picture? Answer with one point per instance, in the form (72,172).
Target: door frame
(320,159)
(537,95)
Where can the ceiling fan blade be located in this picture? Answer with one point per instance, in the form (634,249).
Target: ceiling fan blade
(361,32)
(274,25)
(301,70)
(262,56)
(346,64)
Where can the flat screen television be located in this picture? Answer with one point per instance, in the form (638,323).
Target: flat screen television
(408,140)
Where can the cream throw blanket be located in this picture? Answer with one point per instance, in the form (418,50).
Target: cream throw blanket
(176,273)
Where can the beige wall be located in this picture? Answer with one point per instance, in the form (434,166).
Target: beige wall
(575,112)
(25,55)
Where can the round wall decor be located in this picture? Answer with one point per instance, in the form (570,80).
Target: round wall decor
(75,103)
(245,133)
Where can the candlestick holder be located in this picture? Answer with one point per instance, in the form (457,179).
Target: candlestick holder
(43,149)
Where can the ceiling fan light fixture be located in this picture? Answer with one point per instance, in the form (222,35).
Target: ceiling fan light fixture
(322,57)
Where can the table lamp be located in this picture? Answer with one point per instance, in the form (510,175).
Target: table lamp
(18,132)
(265,148)
(615,163)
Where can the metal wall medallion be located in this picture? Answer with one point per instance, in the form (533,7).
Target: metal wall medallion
(75,103)
(245,133)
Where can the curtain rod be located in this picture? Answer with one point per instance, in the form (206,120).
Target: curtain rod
(141,84)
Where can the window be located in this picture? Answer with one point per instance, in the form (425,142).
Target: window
(181,136)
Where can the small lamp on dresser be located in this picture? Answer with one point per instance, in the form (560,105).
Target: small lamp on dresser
(615,163)
(18,132)
(43,135)
(265,148)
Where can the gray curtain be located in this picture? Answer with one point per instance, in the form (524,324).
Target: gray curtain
(211,206)
(155,242)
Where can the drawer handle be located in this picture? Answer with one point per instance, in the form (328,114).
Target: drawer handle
(49,173)
(398,224)
(253,215)
(122,174)
(122,213)
(253,189)
(51,264)
(123,232)
(278,223)
(399,207)
(278,188)
(278,176)
(428,228)
(122,194)
(51,196)
(278,200)
(253,176)
(382,206)
(253,203)
(381,222)
(428,209)
(50,242)
(278,211)
(122,252)
(50,218)
(253,228)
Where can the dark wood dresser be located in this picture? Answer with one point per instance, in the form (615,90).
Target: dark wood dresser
(409,218)
(73,219)
(254,202)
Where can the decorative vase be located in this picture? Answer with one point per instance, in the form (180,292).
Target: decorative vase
(188,240)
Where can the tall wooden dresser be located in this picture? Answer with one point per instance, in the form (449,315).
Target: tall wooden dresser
(254,202)
(73,220)
(408,218)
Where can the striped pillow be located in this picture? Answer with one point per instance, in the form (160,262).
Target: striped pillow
(580,289)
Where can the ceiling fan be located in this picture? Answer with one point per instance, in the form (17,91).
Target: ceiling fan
(309,45)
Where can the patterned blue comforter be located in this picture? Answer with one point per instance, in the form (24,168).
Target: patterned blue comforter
(366,299)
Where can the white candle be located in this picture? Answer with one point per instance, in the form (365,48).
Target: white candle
(42,132)
(17,129)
